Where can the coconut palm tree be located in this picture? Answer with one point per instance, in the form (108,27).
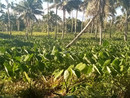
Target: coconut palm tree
(111,8)
(53,19)
(76,6)
(95,9)
(72,23)
(48,11)
(66,6)
(28,9)
(2,6)
(104,8)
(4,21)
(62,6)
(83,7)
(119,23)
(8,12)
(126,6)
(55,2)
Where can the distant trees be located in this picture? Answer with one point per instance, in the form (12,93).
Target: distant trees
(28,10)
(13,21)
(97,9)
(2,6)
(8,12)
(53,19)
(56,29)
(70,25)
(126,10)
(105,11)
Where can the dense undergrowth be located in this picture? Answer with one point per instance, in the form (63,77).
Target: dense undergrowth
(42,67)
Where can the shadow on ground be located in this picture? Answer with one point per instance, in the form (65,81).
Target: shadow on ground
(14,41)
(5,36)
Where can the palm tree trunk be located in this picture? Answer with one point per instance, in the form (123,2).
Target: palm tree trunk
(76,22)
(82,24)
(48,20)
(110,29)
(67,46)
(91,30)
(63,29)
(65,23)
(26,35)
(111,26)
(18,25)
(31,28)
(27,28)
(6,27)
(96,29)
(126,27)
(72,25)
(9,24)
(56,24)
(100,30)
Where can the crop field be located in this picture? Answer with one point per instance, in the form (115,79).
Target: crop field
(64,48)
(43,67)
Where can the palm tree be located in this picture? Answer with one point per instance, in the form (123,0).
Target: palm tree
(4,20)
(8,12)
(55,2)
(120,23)
(62,6)
(66,6)
(111,8)
(83,7)
(104,8)
(126,6)
(53,19)
(18,24)
(28,9)
(72,24)
(94,8)
(48,10)
(76,6)
(2,6)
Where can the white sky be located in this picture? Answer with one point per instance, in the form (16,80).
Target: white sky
(60,13)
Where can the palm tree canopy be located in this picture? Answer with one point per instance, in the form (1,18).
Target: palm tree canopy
(28,9)
(1,7)
(67,5)
(126,5)
(103,7)
(4,18)
(52,18)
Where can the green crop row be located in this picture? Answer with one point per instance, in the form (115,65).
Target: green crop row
(83,70)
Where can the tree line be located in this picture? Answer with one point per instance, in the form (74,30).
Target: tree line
(100,16)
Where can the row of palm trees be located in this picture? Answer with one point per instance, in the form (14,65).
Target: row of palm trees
(101,10)
(95,10)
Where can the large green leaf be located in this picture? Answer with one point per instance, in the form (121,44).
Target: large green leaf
(81,67)
(116,64)
(58,74)
(27,77)
(98,69)
(107,62)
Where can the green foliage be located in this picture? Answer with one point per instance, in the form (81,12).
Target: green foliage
(93,70)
